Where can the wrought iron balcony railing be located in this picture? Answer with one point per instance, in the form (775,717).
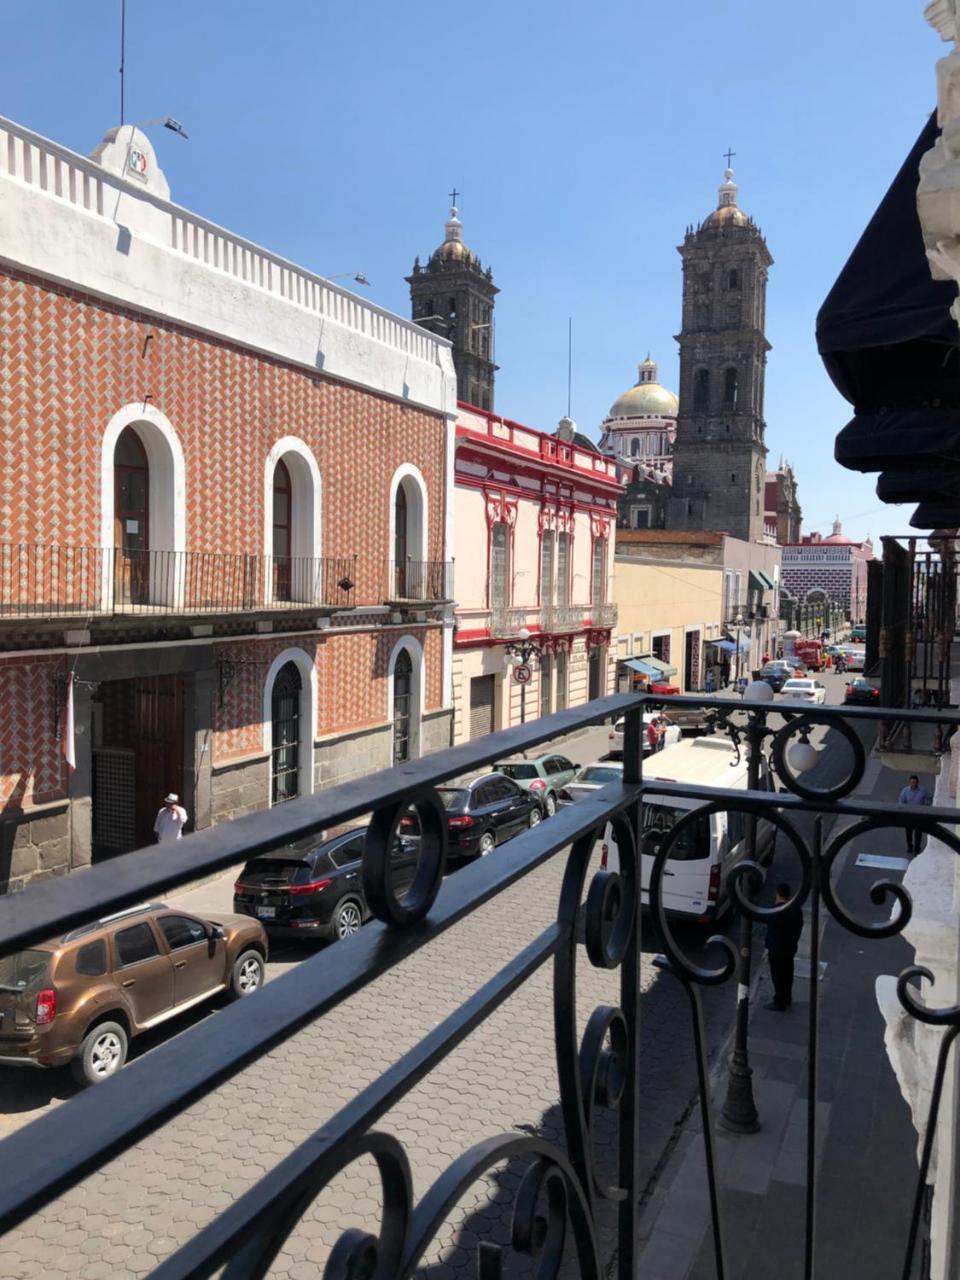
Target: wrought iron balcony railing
(603,615)
(562,1194)
(418,581)
(49,581)
(505,622)
(564,617)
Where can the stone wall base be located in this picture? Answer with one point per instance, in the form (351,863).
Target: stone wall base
(34,846)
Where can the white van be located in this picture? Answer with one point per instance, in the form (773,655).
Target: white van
(695,875)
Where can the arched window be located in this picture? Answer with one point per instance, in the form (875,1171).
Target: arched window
(733,280)
(282,538)
(701,390)
(410,578)
(131,491)
(730,387)
(402,707)
(634,448)
(285,734)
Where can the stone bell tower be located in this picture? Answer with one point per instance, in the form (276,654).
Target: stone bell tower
(719,456)
(453,296)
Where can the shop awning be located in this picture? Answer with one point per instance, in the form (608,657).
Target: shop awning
(660,668)
(759,581)
(636,664)
(728,646)
(890,345)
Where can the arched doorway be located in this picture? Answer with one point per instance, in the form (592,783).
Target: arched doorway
(400,544)
(402,707)
(131,518)
(282,535)
(285,734)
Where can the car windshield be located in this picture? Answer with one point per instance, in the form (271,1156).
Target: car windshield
(452,797)
(599,773)
(516,770)
(288,870)
(25,971)
(692,843)
(799,684)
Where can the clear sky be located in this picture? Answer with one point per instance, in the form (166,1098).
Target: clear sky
(584,138)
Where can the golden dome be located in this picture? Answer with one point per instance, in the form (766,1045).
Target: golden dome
(453,249)
(648,399)
(727,215)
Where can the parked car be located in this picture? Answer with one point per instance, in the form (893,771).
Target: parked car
(806,690)
(776,674)
(858,632)
(81,998)
(315,890)
(544,775)
(855,659)
(673,733)
(486,812)
(590,778)
(861,691)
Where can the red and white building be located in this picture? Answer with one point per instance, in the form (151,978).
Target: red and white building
(535,520)
(225,534)
(835,568)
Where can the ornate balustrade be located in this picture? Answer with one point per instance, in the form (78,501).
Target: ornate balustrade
(560,1195)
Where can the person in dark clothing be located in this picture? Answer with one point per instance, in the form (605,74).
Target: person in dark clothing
(783,938)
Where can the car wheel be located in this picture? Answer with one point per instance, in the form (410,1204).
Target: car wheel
(247,975)
(347,919)
(550,804)
(487,844)
(536,817)
(101,1055)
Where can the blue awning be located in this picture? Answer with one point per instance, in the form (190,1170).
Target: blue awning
(728,646)
(638,665)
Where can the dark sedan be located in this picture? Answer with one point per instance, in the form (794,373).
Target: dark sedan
(311,890)
(486,812)
(861,691)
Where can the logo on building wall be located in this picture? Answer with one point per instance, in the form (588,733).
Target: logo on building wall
(138,162)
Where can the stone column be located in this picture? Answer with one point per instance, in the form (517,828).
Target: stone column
(80,787)
(200,691)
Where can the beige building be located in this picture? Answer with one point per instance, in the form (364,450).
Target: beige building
(534,520)
(686,600)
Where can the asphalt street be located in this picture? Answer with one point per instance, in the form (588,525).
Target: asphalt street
(138,1208)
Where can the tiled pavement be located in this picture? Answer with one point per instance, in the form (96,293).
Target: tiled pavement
(867,1147)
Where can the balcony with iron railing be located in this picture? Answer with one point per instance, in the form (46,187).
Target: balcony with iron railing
(41,581)
(571,1182)
(564,617)
(418,582)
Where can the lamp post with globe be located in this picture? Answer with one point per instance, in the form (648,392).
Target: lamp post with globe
(521,651)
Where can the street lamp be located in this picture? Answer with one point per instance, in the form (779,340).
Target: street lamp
(522,650)
(738,625)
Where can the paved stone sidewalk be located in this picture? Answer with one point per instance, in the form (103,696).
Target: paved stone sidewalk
(866,1149)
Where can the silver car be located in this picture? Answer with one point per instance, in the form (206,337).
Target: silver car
(591,778)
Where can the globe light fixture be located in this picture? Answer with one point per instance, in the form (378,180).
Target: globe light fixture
(802,757)
(758,691)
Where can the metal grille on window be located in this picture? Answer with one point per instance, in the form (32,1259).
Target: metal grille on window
(402,692)
(598,578)
(561,681)
(545,679)
(114,806)
(563,568)
(285,753)
(499,566)
(546,567)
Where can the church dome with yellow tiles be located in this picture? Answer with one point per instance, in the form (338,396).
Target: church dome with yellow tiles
(647,398)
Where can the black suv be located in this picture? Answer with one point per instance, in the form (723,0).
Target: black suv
(311,890)
(486,812)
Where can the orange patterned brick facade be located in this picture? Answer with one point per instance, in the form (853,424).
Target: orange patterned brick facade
(33,769)
(352,684)
(71,362)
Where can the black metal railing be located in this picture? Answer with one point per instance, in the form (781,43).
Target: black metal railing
(49,581)
(598,922)
(419,581)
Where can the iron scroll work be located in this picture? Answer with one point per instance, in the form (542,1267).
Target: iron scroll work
(555,1209)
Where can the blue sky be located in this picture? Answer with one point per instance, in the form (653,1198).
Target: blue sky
(584,138)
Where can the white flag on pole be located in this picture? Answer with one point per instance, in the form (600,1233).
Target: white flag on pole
(69,749)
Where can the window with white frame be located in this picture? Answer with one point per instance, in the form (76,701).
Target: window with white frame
(598,579)
(499,565)
(563,568)
(547,547)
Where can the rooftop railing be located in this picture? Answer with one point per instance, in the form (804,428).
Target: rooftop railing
(562,1195)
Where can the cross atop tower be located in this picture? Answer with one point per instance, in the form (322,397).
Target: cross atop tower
(728,156)
(453,196)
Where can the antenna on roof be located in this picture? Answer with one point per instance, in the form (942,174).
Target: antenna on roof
(123,50)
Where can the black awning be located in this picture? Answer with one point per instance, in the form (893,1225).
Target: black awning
(937,514)
(872,441)
(926,480)
(885,332)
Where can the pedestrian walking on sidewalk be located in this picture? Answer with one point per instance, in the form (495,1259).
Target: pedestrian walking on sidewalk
(170,820)
(914,794)
(783,938)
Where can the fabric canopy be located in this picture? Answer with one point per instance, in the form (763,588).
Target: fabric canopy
(637,664)
(729,646)
(759,581)
(660,668)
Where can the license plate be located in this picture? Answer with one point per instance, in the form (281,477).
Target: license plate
(266,913)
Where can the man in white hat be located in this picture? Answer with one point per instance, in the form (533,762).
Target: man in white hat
(171,819)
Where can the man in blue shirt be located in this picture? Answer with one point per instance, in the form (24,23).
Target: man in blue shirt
(914,794)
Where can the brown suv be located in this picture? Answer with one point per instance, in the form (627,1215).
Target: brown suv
(80,999)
